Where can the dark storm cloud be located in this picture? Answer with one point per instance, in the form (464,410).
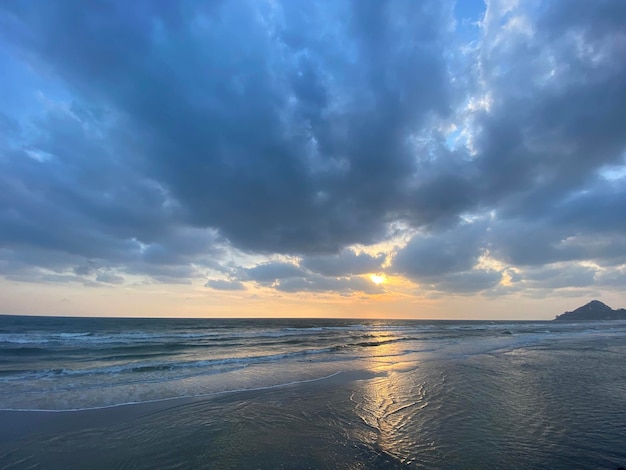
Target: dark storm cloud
(79,195)
(448,261)
(582,226)
(428,256)
(268,273)
(554,118)
(73,198)
(342,264)
(285,129)
(558,110)
(554,277)
(172,132)
(468,282)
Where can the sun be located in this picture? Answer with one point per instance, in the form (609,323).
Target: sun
(377,278)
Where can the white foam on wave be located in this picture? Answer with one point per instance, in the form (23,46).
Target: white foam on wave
(183,397)
(162,366)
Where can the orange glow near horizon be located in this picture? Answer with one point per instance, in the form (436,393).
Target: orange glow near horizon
(397,299)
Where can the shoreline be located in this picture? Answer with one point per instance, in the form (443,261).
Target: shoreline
(20,424)
(159,400)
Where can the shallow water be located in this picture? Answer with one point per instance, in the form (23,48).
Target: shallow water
(396,395)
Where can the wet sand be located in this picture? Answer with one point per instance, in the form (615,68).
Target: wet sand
(227,430)
(17,425)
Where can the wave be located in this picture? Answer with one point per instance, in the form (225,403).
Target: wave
(205,334)
(137,337)
(181,397)
(24,351)
(369,344)
(135,342)
(147,367)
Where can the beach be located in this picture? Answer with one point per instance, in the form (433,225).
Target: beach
(461,395)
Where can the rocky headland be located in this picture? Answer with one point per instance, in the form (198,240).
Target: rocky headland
(594,310)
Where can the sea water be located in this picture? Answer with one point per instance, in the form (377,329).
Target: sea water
(298,393)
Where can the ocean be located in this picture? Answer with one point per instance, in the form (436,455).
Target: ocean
(307,393)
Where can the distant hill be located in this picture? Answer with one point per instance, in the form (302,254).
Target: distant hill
(594,310)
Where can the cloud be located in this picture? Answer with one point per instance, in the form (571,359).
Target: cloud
(467,282)
(280,134)
(317,283)
(555,276)
(164,140)
(347,262)
(221,284)
(109,278)
(556,113)
(268,273)
(435,254)
(612,277)
(288,277)
(581,226)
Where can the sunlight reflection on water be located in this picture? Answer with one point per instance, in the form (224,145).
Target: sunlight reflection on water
(395,404)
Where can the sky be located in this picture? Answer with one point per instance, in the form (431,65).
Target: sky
(364,158)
